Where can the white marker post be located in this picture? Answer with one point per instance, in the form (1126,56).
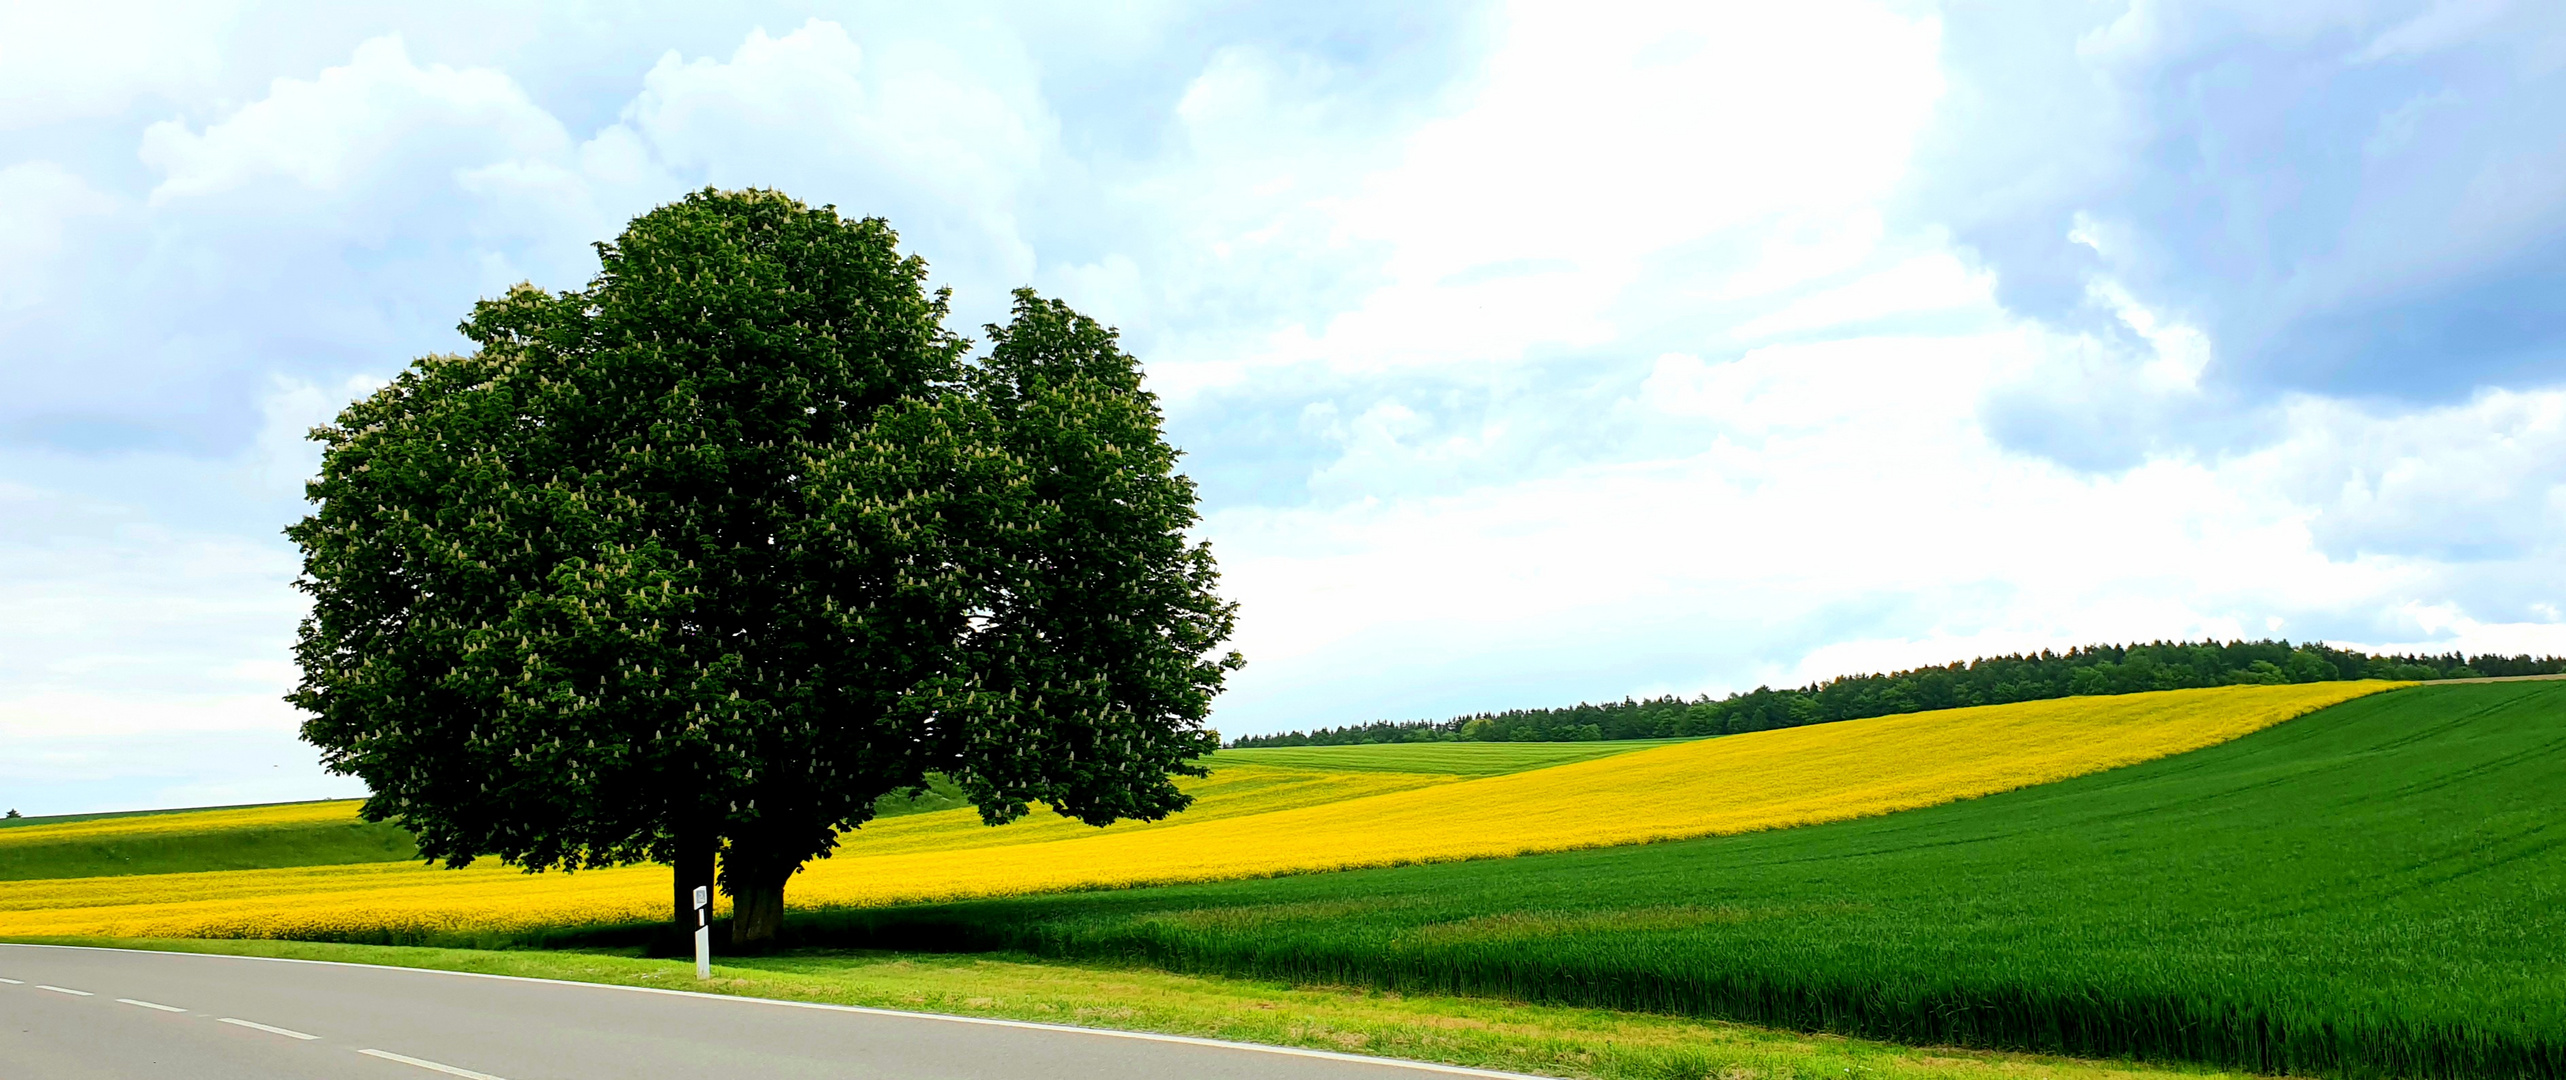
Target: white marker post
(703,932)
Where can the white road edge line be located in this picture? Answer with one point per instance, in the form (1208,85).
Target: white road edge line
(1025,1025)
(449,1070)
(151,1005)
(291,1034)
(65,990)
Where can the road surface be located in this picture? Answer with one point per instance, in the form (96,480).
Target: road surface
(93,1014)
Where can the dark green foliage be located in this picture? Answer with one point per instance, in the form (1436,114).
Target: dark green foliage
(2371,890)
(1089,651)
(2095,669)
(725,548)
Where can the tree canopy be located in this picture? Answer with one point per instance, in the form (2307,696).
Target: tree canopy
(699,562)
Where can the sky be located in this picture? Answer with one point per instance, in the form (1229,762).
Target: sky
(1525,353)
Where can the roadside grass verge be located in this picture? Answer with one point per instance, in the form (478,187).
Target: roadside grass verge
(1480,1033)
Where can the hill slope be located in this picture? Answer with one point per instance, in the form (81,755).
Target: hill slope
(2372,890)
(230,838)
(329,833)
(1253,821)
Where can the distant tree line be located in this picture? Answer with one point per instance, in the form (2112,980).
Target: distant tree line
(2094,669)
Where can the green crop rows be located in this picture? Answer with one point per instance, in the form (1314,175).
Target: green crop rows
(2371,890)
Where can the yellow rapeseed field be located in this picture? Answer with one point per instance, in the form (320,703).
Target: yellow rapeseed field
(1250,821)
(330,812)
(408,901)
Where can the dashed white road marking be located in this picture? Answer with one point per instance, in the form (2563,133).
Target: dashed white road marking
(860,1010)
(65,990)
(151,1005)
(270,1030)
(12,982)
(449,1070)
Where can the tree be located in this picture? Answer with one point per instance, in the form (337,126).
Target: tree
(696,564)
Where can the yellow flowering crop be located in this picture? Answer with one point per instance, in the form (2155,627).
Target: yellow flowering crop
(331,812)
(1232,791)
(410,901)
(1740,783)
(1250,821)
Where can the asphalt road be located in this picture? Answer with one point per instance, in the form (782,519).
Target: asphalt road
(90,1014)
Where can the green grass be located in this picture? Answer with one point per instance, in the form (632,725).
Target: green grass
(355,841)
(2372,890)
(1545,1040)
(265,847)
(317,844)
(2375,890)
(1452,758)
(939,794)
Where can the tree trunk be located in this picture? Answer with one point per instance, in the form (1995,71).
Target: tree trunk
(694,866)
(757,905)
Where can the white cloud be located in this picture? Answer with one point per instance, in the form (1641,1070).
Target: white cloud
(2440,26)
(354,129)
(1846,512)
(1935,282)
(2213,140)
(918,111)
(2479,480)
(283,456)
(63,62)
(1618,361)
(1595,150)
(943,138)
(41,204)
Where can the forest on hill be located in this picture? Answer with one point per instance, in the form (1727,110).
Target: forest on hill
(1998,680)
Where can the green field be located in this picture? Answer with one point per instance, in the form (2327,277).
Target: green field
(2373,889)
(353,841)
(1451,758)
(2370,890)
(33,855)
